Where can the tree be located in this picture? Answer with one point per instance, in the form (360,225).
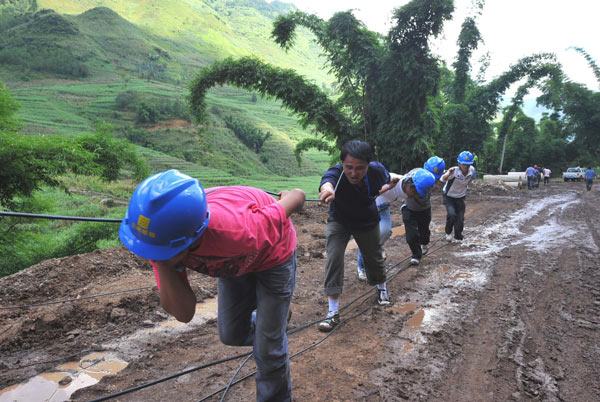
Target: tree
(8,107)
(383,82)
(28,162)
(467,108)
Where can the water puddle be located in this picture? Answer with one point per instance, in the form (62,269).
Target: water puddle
(59,384)
(206,310)
(405,308)
(415,323)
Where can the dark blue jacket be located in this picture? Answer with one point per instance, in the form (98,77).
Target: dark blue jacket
(354,207)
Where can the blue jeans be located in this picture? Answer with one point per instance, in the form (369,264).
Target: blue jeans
(530,182)
(269,293)
(385,230)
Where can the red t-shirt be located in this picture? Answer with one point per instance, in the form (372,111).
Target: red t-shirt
(248,232)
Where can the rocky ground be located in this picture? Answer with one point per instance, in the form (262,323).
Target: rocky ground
(512,313)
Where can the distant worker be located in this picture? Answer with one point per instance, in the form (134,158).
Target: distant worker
(547,176)
(457,180)
(542,174)
(530,173)
(240,235)
(589,178)
(475,161)
(536,182)
(350,188)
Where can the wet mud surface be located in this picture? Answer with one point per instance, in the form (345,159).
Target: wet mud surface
(510,314)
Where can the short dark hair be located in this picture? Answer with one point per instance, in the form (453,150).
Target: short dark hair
(357,149)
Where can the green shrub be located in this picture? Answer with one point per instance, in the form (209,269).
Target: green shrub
(251,136)
(146,113)
(127,100)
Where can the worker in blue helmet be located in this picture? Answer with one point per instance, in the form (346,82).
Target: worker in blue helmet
(457,180)
(436,166)
(414,189)
(240,235)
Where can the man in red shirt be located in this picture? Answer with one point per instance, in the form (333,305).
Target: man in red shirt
(240,235)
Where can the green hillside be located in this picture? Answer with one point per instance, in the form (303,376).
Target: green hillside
(196,32)
(69,63)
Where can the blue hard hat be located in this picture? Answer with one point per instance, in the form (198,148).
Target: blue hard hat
(167,213)
(423,180)
(436,166)
(465,158)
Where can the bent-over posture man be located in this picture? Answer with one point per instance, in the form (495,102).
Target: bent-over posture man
(240,235)
(415,191)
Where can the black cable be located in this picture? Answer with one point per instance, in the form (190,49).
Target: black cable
(58,217)
(312,346)
(142,386)
(88,219)
(85,297)
(77,299)
(308,199)
(233,378)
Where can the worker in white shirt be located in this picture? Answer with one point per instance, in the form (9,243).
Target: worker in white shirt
(457,180)
(414,188)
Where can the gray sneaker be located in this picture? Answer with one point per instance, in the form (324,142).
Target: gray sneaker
(328,324)
(424,248)
(449,237)
(383,297)
(362,275)
(414,261)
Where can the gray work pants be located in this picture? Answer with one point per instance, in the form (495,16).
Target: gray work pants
(368,241)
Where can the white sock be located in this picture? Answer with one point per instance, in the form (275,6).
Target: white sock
(334,306)
(382,286)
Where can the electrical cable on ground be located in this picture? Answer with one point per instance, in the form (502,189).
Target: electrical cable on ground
(73,300)
(312,346)
(233,377)
(142,386)
(76,299)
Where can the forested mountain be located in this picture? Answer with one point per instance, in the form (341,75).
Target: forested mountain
(169,39)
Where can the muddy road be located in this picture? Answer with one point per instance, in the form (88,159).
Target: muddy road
(511,313)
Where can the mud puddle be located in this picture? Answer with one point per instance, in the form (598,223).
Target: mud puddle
(59,384)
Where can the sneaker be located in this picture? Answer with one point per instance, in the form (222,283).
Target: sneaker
(329,323)
(383,297)
(458,240)
(424,248)
(414,261)
(362,275)
(449,237)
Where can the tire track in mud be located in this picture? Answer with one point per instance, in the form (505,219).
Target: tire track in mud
(506,338)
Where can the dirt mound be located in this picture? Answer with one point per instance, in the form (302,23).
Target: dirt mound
(491,187)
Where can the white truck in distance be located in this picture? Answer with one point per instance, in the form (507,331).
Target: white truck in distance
(575,173)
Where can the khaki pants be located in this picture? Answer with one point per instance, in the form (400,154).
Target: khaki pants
(368,241)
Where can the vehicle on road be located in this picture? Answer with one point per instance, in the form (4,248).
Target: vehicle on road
(574,174)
